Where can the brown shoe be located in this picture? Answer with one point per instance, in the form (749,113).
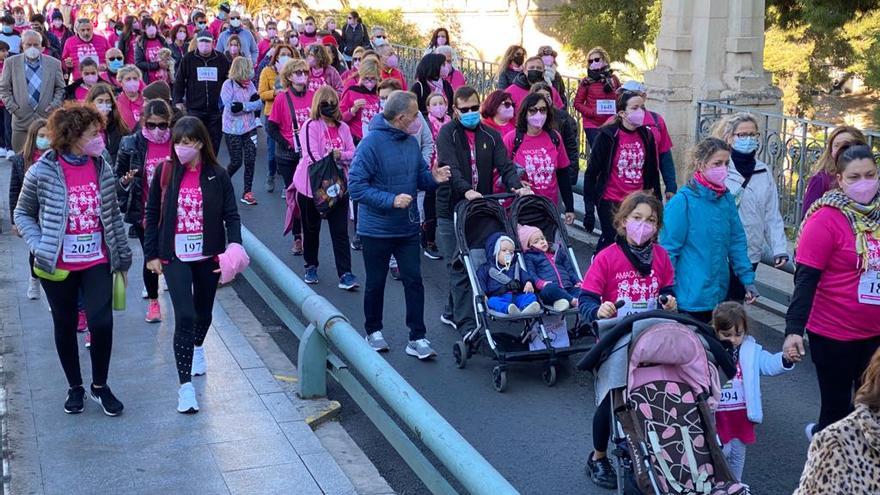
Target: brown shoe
(297,249)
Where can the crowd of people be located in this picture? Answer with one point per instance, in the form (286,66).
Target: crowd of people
(115,114)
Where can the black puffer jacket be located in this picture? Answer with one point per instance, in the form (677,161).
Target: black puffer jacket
(132,155)
(600,164)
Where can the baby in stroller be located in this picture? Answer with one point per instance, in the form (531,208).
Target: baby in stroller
(555,277)
(507,285)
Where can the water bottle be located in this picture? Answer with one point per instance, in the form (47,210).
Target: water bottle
(118,292)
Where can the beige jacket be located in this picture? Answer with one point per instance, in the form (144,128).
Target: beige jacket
(14,90)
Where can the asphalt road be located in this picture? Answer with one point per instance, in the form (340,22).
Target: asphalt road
(537,437)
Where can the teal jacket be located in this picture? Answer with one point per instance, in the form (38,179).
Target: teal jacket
(703,234)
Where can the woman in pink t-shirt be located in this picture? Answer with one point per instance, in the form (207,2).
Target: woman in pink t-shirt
(636,271)
(623,159)
(541,155)
(498,112)
(192,223)
(837,284)
(69,216)
(130,100)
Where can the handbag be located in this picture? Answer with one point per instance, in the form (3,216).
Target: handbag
(327,181)
(283,151)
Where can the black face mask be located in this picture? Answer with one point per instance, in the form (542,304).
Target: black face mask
(329,110)
(535,76)
(518,59)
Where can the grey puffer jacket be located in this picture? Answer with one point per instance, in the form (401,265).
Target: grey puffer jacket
(41,213)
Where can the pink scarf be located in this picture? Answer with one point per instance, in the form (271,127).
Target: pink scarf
(719,190)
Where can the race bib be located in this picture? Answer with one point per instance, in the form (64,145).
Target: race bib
(869,288)
(631,307)
(188,247)
(733,396)
(606,107)
(82,248)
(206,74)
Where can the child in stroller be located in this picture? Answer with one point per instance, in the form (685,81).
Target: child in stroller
(509,287)
(555,276)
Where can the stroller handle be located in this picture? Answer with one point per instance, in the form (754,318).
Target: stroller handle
(500,196)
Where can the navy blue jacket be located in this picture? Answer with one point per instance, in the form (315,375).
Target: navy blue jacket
(388,162)
(492,287)
(551,268)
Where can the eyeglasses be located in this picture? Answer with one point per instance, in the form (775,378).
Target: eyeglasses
(534,110)
(300,72)
(506,104)
(475,108)
(114,59)
(747,134)
(594,60)
(153,125)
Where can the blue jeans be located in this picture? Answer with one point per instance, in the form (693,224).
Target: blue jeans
(270,151)
(501,303)
(735,453)
(408,253)
(553,292)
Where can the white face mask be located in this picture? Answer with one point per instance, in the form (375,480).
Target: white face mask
(104,108)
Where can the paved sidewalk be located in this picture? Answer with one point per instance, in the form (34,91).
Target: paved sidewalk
(251,435)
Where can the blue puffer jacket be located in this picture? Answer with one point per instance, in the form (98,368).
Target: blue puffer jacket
(551,267)
(490,286)
(388,162)
(703,235)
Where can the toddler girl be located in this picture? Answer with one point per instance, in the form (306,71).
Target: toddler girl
(554,274)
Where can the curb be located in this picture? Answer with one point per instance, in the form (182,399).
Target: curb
(329,412)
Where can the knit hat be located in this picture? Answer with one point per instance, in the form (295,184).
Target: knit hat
(158,90)
(497,247)
(329,40)
(525,233)
(224,7)
(56,14)
(204,35)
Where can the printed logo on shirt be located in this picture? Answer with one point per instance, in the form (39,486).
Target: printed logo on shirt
(189,210)
(302,115)
(153,56)
(83,209)
(873,253)
(630,162)
(86,50)
(539,166)
(315,83)
(631,286)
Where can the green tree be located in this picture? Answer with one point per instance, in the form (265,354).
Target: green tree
(616,26)
(636,63)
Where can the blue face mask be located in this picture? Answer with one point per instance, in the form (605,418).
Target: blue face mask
(114,65)
(470,119)
(745,145)
(118,32)
(42,143)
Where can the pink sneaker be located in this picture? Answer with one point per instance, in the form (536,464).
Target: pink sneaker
(154,313)
(82,324)
(88,339)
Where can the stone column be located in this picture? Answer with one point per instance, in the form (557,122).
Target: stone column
(708,50)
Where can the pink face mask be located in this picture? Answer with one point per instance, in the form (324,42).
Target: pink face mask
(505,113)
(861,191)
(437,111)
(90,79)
(233,50)
(300,79)
(158,136)
(205,47)
(445,69)
(548,60)
(639,231)
(151,31)
(131,86)
(186,152)
(597,65)
(392,61)
(415,127)
(716,175)
(369,84)
(537,120)
(636,117)
(311,61)
(181,35)
(95,146)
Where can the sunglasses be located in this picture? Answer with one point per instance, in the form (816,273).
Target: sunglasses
(235,18)
(327,104)
(114,59)
(475,108)
(593,60)
(382,37)
(153,125)
(506,104)
(534,110)
(300,72)
(355,59)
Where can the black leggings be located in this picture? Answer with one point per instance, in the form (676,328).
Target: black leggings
(839,368)
(192,287)
(606,210)
(429,227)
(337,221)
(242,150)
(151,280)
(63,298)
(602,425)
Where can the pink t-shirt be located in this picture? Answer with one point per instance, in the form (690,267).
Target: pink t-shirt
(78,50)
(662,141)
(81,92)
(502,129)
(156,155)
(317,79)
(152,53)
(358,120)
(540,159)
(627,167)
(472,145)
(189,229)
(83,245)
(518,94)
(828,244)
(613,277)
(281,112)
(130,110)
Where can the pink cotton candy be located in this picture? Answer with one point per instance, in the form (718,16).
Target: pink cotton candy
(232,262)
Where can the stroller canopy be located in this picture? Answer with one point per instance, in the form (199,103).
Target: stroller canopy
(671,352)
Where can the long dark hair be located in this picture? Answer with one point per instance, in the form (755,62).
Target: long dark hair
(433,43)
(620,105)
(156,108)
(128,28)
(429,67)
(193,129)
(522,122)
(114,120)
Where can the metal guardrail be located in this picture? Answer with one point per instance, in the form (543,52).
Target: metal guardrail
(326,326)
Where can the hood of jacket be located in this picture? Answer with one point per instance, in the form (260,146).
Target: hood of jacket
(379,124)
(493,243)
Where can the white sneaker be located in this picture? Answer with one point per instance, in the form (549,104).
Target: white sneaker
(144,294)
(199,364)
(33,292)
(3,152)
(561,305)
(532,308)
(186,399)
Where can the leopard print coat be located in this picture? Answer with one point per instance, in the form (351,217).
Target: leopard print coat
(844,458)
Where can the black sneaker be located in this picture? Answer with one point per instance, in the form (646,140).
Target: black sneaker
(74,402)
(132,232)
(356,243)
(431,252)
(108,401)
(602,473)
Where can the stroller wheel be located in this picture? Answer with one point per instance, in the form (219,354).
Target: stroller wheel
(549,375)
(460,353)
(499,379)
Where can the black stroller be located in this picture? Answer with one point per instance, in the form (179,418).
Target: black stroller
(475,221)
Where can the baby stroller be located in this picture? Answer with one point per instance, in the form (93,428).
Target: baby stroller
(475,221)
(662,389)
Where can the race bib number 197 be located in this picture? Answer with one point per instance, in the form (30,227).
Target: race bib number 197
(188,247)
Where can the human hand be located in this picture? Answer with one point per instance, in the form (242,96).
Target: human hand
(163,64)
(471,195)
(669,195)
(751,294)
(523,191)
(441,174)
(402,201)
(780,261)
(124,278)
(671,303)
(15,231)
(528,288)
(102,68)
(589,221)
(128,177)
(607,310)
(569,218)
(793,348)
(359,103)
(155,266)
